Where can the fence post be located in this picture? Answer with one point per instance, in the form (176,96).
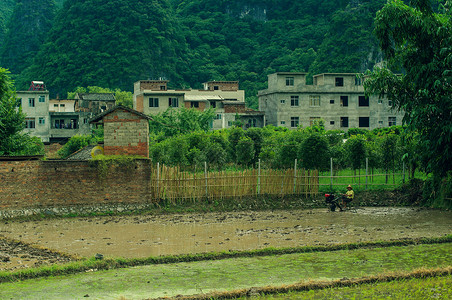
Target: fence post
(331,173)
(158,179)
(295,177)
(367,166)
(403,171)
(259,177)
(205,175)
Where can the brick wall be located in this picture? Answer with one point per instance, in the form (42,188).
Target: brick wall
(42,184)
(126,133)
(153,85)
(234,108)
(223,85)
(140,103)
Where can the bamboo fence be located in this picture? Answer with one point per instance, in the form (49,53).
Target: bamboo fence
(172,184)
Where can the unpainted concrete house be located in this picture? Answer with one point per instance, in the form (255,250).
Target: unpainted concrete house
(126,131)
(153,97)
(336,98)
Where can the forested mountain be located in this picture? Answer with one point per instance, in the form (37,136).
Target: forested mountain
(114,43)
(26,30)
(6,9)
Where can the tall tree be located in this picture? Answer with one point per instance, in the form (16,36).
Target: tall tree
(12,141)
(418,41)
(26,31)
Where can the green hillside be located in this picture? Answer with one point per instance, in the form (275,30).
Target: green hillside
(26,31)
(114,43)
(6,9)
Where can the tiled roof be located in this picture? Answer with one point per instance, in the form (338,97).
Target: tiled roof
(97,96)
(82,154)
(100,116)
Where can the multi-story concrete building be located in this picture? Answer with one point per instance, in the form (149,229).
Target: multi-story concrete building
(152,97)
(336,98)
(35,105)
(66,121)
(57,120)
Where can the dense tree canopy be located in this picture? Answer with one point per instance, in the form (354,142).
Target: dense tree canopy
(114,43)
(109,44)
(418,41)
(26,30)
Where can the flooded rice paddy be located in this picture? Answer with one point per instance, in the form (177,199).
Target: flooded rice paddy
(153,235)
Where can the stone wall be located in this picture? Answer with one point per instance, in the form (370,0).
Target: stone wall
(52,185)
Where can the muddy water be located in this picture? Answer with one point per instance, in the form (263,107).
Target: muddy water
(142,236)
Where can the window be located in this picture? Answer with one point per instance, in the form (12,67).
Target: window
(392,121)
(213,104)
(85,121)
(42,121)
(216,87)
(363,121)
(42,99)
(331,122)
(229,123)
(31,102)
(363,101)
(358,80)
(218,117)
(194,104)
(293,100)
(380,123)
(344,121)
(314,100)
(19,102)
(173,102)
(339,81)
(294,121)
(30,123)
(251,123)
(380,101)
(283,122)
(289,81)
(389,102)
(59,124)
(153,102)
(163,88)
(344,100)
(312,120)
(282,101)
(332,101)
(63,105)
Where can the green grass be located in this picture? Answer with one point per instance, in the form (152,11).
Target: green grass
(115,263)
(414,288)
(343,178)
(230,274)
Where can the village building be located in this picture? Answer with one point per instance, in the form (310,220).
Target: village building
(153,96)
(126,131)
(336,98)
(35,105)
(56,120)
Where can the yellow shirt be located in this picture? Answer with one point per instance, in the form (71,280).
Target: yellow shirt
(350,194)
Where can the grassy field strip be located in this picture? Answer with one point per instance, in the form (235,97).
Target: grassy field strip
(230,274)
(436,287)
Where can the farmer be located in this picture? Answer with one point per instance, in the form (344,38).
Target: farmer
(348,196)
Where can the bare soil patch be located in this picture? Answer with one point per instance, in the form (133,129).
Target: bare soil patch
(153,235)
(16,255)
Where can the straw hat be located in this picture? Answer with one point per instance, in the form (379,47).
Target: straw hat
(349,186)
